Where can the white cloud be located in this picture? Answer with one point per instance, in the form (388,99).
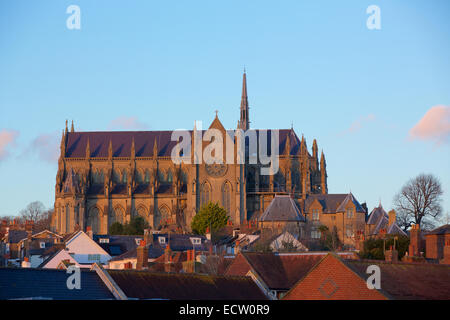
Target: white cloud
(7,139)
(434,126)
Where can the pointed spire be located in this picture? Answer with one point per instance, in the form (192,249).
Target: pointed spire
(67,129)
(322,160)
(133,150)
(63,145)
(303,145)
(287,148)
(314,149)
(244,118)
(110,150)
(88,150)
(72,129)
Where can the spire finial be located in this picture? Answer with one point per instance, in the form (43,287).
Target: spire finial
(72,129)
(217,112)
(67,129)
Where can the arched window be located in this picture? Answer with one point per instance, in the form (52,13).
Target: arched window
(164,214)
(59,222)
(226,197)
(67,218)
(142,212)
(93,219)
(205,194)
(116,176)
(169,176)
(147,176)
(124,176)
(77,215)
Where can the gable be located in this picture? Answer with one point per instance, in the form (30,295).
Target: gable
(331,279)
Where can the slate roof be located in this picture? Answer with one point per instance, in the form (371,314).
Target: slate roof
(445,229)
(148,285)
(118,244)
(25,283)
(153,253)
(332,203)
(409,280)
(181,242)
(14,236)
(375,214)
(278,271)
(282,208)
(144,143)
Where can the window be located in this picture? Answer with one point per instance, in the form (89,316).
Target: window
(161,240)
(147,176)
(42,245)
(205,193)
(315,234)
(104,240)
(349,231)
(93,257)
(349,213)
(226,197)
(315,214)
(196,240)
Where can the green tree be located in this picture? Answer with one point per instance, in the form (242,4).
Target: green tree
(374,248)
(116,228)
(209,215)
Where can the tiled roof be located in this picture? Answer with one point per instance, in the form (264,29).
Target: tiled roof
(278,271)
(153,253)
(282,208)
(332,203)
(445,229)
(376,214)
(409,280)
(144,143)
(148,285)
(14,236)
(22,283)
(181,242)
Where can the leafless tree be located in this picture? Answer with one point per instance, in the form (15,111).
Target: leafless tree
(34,211)
(419,201)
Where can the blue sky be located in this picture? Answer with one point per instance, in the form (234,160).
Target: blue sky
(162,65)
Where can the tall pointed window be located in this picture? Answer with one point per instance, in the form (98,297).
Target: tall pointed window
(93,220)
(226,197)
(205,194)
(67,218)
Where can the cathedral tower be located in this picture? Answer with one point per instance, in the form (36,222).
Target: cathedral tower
(244,122)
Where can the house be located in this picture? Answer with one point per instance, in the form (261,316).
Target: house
(12,249)
(335,278)
(128,260)
(81,250)
(50,284)
(340,211)
(286,238)
(117,245)
(33,246)
(276,273)
(282,212)
(233,244)
(379,223)
(438,244)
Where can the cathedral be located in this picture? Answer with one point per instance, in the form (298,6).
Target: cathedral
(111,176)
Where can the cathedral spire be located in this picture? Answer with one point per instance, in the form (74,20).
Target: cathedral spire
(63,145)
(244,122)
(67,129)
(314,149)
(72,129)
(323,174)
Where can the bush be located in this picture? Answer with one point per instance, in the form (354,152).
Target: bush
(374,248)
(116,228)
(209,215)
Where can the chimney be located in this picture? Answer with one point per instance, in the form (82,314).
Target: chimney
(26,263)
(392,217)
(236,247)
(142,256)
(89,232)
(414,241)
(391,255)
(148,236)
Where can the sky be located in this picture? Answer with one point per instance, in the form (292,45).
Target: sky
(376,100)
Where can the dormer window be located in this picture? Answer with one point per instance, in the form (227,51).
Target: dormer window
(104,240)
(42,245)
(162,240)
(196,241)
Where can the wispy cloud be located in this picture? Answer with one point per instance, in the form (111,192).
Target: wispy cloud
(434,126)
(46,146)
(7,140)
(358,124)
(127,123)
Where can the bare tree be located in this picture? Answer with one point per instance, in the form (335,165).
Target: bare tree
(419,201)
(34,211)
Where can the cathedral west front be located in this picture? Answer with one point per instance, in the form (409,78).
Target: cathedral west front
(111,176)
